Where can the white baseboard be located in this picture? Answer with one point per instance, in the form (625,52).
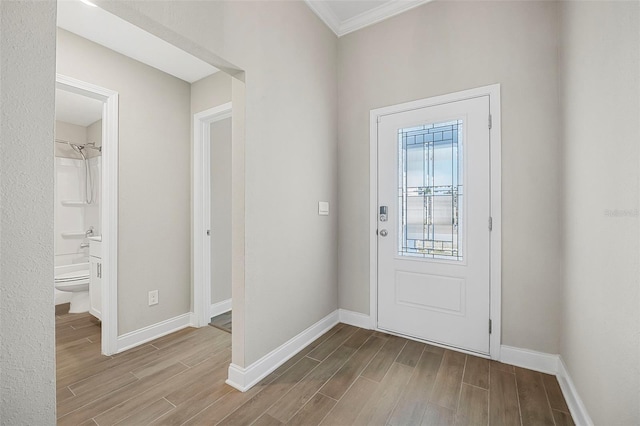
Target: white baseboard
(220,308)
(550,364)
(576,406)
(532,360)
(244,378)
(355,318)
(146,334)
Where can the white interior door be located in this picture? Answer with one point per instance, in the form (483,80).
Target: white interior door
(433,223)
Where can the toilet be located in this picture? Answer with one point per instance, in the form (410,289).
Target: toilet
(77,283)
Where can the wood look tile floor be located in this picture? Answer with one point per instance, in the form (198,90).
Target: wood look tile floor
(349,376)
(223,322)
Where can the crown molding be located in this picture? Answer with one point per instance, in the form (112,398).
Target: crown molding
(380,13)
(324,12)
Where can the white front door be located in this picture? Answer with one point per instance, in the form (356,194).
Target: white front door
(433,223)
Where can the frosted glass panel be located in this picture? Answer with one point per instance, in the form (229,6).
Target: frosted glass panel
(430,190)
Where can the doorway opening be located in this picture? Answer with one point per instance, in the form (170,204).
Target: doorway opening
(212,223)
(99,193)
(157,295)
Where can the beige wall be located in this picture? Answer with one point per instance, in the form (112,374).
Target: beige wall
(210,92)
(600,73)
(27,344)
(291,163)
(444,47)
(289,59)
(154,217)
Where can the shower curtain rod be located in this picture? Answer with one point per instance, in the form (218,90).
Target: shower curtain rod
(90,145)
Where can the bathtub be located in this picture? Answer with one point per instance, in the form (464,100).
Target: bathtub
(61,297)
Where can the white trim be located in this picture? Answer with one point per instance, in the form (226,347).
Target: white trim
(325,14)
(574,402)
(220,308)
(109,203)
(152,332)
(550,364)
(532,360)
(244,378)
(354,318)
(380,13)
(495,162)
(201,209)
(370,17)
(493,91)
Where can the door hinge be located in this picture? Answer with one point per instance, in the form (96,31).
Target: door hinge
(489,121)
(208,232)
(489,326)
(490,223)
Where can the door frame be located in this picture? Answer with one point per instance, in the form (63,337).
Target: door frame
(495,236)
(109,203)
(202,210)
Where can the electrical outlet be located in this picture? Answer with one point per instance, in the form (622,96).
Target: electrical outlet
(153,297)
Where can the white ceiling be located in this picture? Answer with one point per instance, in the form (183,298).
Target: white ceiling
(345,16)
(99,26)
(77,109)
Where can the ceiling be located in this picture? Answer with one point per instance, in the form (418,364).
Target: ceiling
(77,109)
(99,26)
(345,16)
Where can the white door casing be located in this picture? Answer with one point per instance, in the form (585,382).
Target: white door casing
(202,210)
(444,293)
(109,207)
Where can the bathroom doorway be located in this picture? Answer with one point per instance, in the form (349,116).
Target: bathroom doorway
(86,155)
(155,81)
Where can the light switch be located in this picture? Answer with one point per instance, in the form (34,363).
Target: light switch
(323,208)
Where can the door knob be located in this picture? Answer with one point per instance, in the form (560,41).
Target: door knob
(383,232)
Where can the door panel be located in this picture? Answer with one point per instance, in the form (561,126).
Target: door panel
(433,244)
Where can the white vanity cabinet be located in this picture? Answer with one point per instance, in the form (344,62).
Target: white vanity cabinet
(95,276)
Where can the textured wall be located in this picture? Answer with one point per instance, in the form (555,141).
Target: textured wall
(27,69)
(600,81)
(154,214)
(443,47)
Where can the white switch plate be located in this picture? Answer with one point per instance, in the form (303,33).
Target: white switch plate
(323,208)
(153,297)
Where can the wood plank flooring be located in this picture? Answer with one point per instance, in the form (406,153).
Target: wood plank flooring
(223,322)
(349,376)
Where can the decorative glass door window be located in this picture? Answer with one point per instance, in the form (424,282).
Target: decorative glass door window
(430,191)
